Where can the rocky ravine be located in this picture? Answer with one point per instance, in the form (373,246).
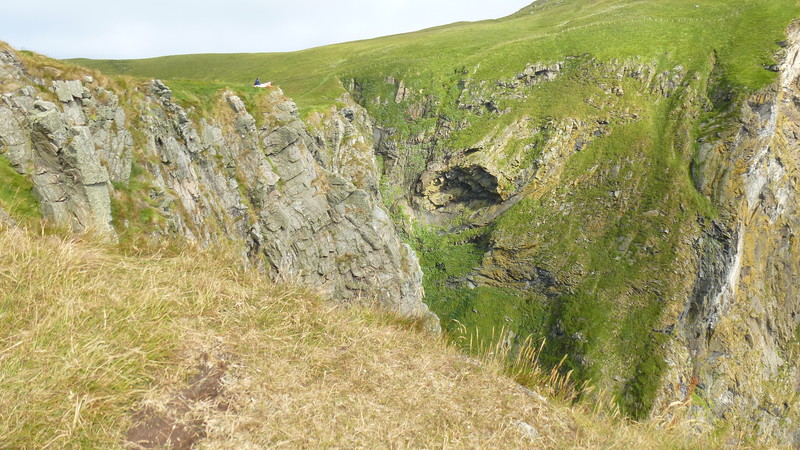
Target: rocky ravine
(294,203)
(724,284)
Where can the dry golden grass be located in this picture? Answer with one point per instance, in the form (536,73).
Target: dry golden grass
(88,337)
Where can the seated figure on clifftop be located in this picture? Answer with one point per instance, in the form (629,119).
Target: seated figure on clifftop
(259,84)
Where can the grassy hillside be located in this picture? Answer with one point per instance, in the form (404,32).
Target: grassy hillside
(99,347)
(743,33)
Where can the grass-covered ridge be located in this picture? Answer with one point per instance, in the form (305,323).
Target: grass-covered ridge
(743,33)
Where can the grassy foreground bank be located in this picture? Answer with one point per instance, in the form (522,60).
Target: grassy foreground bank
(100,347)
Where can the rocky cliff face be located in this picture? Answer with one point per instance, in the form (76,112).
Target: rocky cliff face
(741,321)
(291,199)
(56,146)
(585,213)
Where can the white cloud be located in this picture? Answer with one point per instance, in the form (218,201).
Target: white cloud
(146,28)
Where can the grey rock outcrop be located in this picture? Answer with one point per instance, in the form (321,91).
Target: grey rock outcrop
(55,146)
(742,318)
(299,206)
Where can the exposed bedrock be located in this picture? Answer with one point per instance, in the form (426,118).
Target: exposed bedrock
(299,205)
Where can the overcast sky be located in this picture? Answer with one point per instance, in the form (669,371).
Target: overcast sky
(147,28)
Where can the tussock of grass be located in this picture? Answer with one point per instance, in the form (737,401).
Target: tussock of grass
(88,336)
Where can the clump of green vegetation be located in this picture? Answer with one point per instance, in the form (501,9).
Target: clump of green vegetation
(198,97)
(447,261)
(16,194)
(136,213)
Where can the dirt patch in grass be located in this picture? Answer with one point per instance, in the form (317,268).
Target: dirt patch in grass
(176,426)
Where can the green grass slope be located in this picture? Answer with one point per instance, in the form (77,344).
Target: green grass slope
(16,194)
(743,33)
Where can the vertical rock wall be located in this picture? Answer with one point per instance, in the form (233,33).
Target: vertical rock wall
(297,208)
(741,322)
(56,143)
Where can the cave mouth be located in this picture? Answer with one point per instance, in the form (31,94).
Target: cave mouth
(472,185)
